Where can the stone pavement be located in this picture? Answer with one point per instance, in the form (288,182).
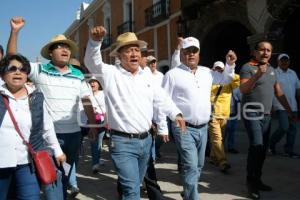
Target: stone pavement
(282,173)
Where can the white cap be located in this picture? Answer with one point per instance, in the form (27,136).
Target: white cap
(151,58)
(219,64)
(282,56)
(190,42)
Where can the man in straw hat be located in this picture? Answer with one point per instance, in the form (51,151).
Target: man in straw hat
(62,86)
(131,97)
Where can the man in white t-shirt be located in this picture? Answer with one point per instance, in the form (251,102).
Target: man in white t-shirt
(290,85)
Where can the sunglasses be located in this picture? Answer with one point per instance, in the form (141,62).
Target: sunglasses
(190,50)
(60,46)
(13,68)
(152,62)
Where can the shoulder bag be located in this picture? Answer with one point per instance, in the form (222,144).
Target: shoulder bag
(43,162)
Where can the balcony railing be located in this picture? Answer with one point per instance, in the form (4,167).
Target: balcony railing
(125,27)
(107,40)
(157,12)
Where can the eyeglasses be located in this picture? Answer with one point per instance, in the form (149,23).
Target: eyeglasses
(190,50)
(152,62)
(13,68)
(60,46)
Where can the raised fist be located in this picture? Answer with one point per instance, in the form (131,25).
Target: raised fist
(179,42)
(17,23)
(231,57)
(97,33)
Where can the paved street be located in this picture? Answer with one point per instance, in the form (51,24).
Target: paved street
(282,173)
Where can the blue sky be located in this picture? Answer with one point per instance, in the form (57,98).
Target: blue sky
(44,19)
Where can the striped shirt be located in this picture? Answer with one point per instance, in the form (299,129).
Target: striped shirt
(62,92)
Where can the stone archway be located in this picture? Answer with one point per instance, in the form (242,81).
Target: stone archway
(222,37)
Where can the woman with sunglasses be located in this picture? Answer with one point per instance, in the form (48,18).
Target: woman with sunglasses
(16,170)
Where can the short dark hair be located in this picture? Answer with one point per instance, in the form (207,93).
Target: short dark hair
(4,63)
(262,41)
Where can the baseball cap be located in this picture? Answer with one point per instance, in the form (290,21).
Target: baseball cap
(283,55)
(190,42)
(219,64)
(150,59)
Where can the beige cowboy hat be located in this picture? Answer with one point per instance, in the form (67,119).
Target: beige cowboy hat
(126,39)
(58,39)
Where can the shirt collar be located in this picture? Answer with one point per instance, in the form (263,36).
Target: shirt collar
(281,71)
(55,68)
(254,62)
(6,92)
(184,67)
(124,71)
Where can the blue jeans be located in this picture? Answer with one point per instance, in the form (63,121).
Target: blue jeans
(70,144)
(191,146)
(130,158)
(285,128)
(24,181)
(54,191)
(230,133)
(72,177)
(258,127)
(96,147)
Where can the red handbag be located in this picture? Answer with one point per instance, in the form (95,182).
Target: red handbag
(43,162)
(44,165)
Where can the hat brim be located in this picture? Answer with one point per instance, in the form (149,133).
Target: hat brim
(114,52)
(45,49)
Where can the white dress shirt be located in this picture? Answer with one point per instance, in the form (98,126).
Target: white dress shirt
(158,77)
(130,99)
(289,83)
(218,78)
(13,151)
(191,92)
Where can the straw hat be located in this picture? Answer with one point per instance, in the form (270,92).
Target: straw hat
(58,39)
(126,39)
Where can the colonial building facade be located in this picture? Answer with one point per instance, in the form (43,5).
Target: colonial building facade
(220,25)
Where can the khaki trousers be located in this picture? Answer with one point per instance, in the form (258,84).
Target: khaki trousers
(216,131)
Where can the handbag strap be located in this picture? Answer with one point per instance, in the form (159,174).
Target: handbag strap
(218,93)
(6,103)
